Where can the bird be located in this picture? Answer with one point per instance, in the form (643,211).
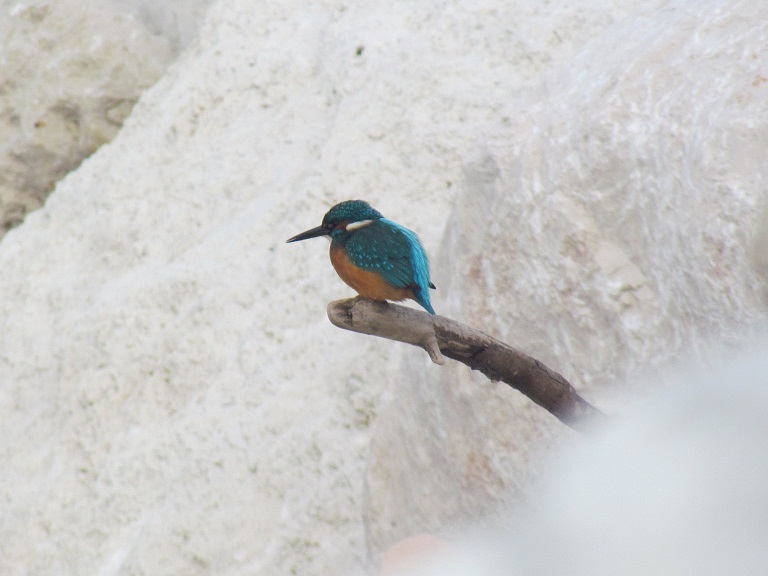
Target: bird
(379,258)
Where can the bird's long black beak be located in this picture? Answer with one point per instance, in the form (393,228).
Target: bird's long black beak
(313,233)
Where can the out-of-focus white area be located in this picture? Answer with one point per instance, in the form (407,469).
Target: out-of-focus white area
(70,73)
(674,487)
(587,178)
(179,21)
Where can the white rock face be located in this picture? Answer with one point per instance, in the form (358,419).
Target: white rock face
(71,72)
(606,229)
(174,399)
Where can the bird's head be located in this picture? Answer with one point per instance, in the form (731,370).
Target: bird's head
(342,219)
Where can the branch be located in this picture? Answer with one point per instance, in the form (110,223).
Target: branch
(442,337)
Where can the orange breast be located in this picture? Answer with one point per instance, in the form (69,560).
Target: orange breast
(367,284)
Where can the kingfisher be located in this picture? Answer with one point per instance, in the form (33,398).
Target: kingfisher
(379,258)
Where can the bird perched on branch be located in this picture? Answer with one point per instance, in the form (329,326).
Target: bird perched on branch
(379,258)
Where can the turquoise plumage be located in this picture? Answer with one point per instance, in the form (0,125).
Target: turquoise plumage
(362,237)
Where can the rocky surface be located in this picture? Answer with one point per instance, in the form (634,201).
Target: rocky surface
(71,73)
(587,178)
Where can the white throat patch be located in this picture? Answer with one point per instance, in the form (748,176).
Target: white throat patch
(356,225)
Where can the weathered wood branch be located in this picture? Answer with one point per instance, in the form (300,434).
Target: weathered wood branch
(442,337)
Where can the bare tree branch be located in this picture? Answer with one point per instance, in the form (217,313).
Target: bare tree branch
(442,337)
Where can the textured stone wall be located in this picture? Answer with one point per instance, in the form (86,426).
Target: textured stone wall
(586,177)
(608,229)
(71,73)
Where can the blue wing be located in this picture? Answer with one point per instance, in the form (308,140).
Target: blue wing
(395,252)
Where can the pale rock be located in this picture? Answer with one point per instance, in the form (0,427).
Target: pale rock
(174,399)
(607,229)
(71,73)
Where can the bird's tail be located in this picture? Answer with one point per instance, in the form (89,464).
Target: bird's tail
(422,298)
